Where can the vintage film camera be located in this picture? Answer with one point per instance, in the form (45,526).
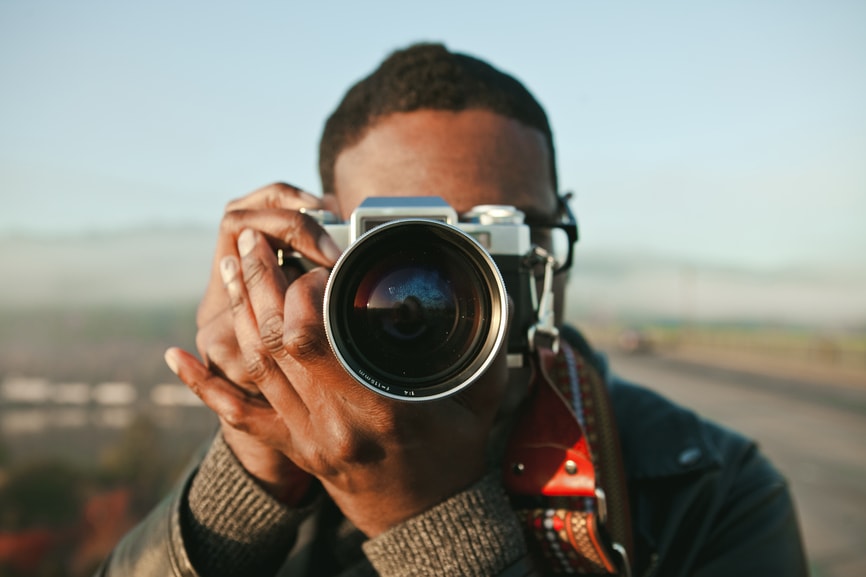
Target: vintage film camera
(416,308)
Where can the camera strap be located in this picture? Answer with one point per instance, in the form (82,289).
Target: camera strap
(563,469)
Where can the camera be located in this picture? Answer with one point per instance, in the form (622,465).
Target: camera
(416,308)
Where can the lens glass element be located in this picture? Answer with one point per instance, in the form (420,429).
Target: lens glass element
(415,307)
(414,313)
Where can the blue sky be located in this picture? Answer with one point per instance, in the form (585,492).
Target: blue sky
(731,133)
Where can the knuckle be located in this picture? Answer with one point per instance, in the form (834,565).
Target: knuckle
(257,366)
(277,193)
(231,220)
(308,223)
(305,343)
(236,416)
(273,196)
(254,270)
(237,299)
(344,446)
(297,226)
(316,460)
(351,445)
(271,333)
(215,349)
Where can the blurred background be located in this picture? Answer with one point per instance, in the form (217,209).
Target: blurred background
(715,151)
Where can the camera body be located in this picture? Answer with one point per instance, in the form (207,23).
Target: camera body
(416,308)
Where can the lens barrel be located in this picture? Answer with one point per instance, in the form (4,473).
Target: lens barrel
(415,309)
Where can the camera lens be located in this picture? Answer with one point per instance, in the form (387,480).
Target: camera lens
(414,315)
(415,309)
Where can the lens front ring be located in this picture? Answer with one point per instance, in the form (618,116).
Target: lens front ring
(415,310)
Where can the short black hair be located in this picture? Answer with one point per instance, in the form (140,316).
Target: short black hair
(427,76)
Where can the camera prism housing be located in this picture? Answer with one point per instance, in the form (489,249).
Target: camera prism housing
(416,308)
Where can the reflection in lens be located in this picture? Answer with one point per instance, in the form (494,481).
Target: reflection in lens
(407,319)
(414,313)
(409,303)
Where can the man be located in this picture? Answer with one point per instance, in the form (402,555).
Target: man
(312,474)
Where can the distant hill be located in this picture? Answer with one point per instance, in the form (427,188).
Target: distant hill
(139,267)
(170,265)
(610,285)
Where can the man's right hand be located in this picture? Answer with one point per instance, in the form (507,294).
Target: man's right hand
(382,461)
(273,211)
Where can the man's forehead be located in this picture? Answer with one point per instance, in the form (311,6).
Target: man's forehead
(469,157)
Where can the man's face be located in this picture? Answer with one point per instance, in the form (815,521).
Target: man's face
(468,158)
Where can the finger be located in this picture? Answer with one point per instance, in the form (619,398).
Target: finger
(284,229)
(304,329)
(259,365)
(306,346)
(266,287)
(218,346)
(276,195)
(251,415)
(265,294)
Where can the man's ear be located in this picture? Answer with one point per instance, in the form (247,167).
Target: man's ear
(330,203)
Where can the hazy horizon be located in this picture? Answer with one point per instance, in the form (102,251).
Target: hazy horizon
(170,265)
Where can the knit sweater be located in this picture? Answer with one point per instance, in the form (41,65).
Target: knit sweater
(233,526)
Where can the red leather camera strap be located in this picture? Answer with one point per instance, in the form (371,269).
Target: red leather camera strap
(563,470)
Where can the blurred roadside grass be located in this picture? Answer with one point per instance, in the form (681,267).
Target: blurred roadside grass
(815,355)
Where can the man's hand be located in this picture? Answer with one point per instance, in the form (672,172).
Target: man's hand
(273,211)
(381,460)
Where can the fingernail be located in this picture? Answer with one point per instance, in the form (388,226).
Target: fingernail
(246,241)
(171,360)
(329,248)
(228,268)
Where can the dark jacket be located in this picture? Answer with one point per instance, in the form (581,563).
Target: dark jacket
(705,503)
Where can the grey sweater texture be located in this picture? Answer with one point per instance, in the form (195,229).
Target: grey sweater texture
(232,526)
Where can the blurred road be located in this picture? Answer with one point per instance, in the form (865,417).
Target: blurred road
(814,433)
